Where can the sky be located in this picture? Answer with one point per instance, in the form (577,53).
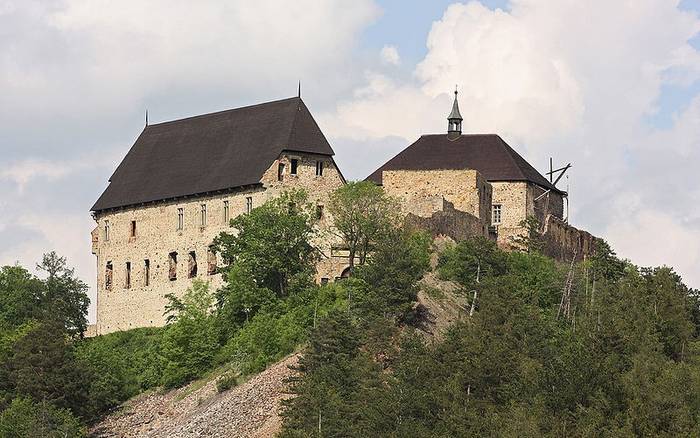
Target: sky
(611,86)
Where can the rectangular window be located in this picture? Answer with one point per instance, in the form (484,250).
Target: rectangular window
(180,218)
(146,272)
(106,231)
(227,214)
(108,276)
(496,214)
(127,279)
(280,172)
(319,212)
(132,230)
(172,269)
(319,168)
(192,265)
(211,261)
(203,216)
(248,204)
(294,166)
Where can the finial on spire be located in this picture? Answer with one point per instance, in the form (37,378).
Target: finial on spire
(146,116)
(454,120)
(299,90)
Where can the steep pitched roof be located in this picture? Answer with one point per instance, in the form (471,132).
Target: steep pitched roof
(487,153)
(211,152)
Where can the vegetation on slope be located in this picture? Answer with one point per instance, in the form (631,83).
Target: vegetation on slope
(624,362)
(618,357)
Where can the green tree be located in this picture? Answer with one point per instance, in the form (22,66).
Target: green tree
(190,341)
(391,274)
(20,296)
(531,240)
(25,418)
(42,365)
(65,297)
(273,242)
(362,214)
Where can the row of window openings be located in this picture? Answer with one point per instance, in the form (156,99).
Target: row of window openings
(203,217)
(181,218)
(294,168)
(172,269)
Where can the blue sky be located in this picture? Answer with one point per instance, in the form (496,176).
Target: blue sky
(611,86)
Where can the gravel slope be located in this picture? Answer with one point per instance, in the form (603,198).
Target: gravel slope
(249,410)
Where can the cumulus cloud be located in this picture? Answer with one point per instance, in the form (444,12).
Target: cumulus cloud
(577,81)
(390,55)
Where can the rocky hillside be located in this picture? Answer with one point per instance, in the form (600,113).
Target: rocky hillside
(249,410)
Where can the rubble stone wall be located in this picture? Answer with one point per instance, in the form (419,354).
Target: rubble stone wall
(420,190)
(562,241)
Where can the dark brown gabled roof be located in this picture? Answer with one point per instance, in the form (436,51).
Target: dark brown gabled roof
(211,152)
(487,153)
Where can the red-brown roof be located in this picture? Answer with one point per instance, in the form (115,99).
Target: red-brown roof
(486,153)
(211,152)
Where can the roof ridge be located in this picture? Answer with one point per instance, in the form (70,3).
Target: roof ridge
(199,116)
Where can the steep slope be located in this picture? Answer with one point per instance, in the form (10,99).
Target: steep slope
(249,410)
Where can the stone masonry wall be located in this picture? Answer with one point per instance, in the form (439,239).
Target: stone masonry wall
(562,241)
(512,197)
(467,190)
(157,236)
(450,222)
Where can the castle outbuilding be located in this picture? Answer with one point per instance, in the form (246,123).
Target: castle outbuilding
(477,173)
(178,188)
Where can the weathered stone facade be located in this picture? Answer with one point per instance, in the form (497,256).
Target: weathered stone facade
(157,249)
(518,200)
(421,192)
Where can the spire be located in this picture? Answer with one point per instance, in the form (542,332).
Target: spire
(454,120)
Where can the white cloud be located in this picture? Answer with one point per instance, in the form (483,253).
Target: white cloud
(390,55)
(569,79)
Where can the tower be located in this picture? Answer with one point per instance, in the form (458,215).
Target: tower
(454,120)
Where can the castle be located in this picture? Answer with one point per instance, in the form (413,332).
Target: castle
(182,181)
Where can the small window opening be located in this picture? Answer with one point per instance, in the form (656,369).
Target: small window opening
(132,231)
(248,204)
(108,276)
(319,212)
(227,214)
(496,214)
(180,218)
(319,168)
(280,172)
(192,265)
(203,216)
(294,166)
(127,280)
(146,272)
(324,281)
(211,261)
(106,231)
(172,271)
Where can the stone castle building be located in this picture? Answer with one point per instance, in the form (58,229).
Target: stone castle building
(177,189)
(477,173)
(182,182)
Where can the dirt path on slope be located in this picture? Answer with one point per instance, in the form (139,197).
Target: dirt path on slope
(249,410)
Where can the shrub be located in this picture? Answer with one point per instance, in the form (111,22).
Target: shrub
(227,381)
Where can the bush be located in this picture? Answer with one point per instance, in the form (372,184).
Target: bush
(227,381)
